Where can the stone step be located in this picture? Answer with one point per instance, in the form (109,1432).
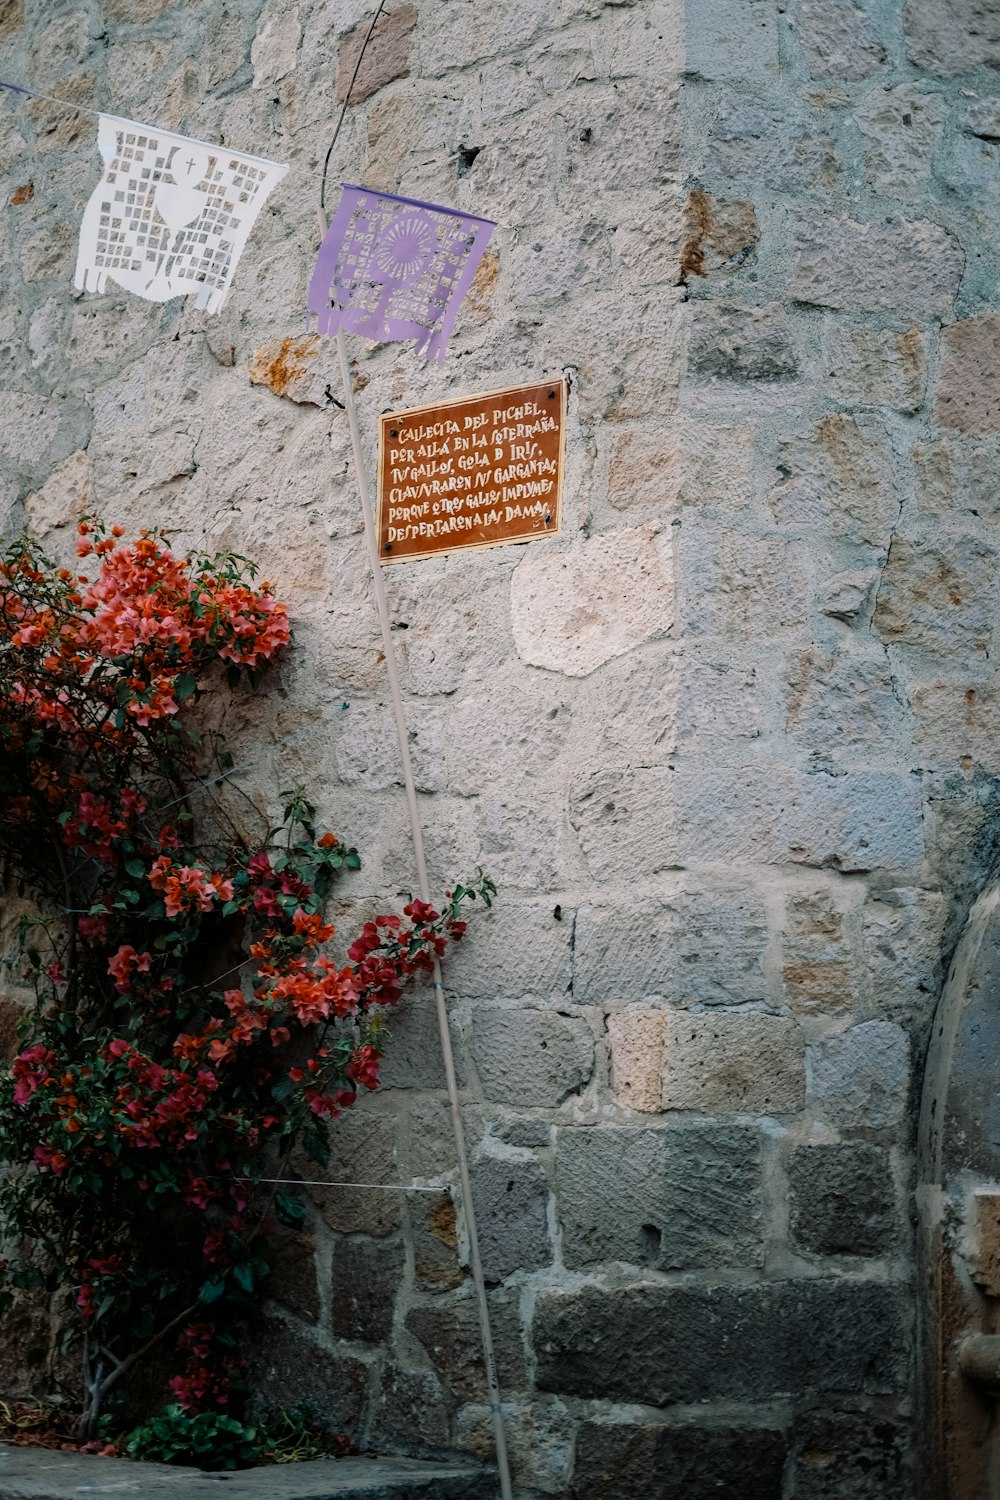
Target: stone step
(41,1474)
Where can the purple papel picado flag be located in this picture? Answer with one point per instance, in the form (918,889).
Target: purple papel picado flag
(395,268)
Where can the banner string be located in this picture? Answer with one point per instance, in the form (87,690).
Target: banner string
(384,1187)
(343,112)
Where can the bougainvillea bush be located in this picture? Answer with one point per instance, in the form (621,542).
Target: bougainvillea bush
(192,1025)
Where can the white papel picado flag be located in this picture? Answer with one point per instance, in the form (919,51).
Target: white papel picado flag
(170,215)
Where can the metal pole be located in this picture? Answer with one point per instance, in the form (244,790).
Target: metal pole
(382,605)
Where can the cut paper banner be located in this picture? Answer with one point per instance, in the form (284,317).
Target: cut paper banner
(395,268)
(170,215)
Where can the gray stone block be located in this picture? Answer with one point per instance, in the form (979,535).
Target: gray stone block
(862,1077)
(938,596)
(532,1058)
(665,1344)
(675,1198)
(449,1331)
(511,1200)
(365,1282)
(842,1200)
(741,344)
(286,1366)
(618,1461)
(838,40)
(852,1455)
(903,266)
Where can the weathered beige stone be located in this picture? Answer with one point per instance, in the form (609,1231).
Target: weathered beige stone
(840,480)
(741,587)
(986,1269)
(840,702)
(63,498)
(646,469)
(902,128)
(626,821)
(774,146)
(818,972)
(903,930)
(958,726)
(849,596)
(721,235)
(635,1040)
(940,597)
(876,367)
(387,55)
(287,367)
(838,40)
(968,389)
(954,38)
(740,344)
(574,610)
(891,265)
(275,47)
(730,1063)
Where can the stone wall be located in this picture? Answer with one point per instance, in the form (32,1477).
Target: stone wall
(728,746)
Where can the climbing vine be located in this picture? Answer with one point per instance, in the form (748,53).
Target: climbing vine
(191,1026)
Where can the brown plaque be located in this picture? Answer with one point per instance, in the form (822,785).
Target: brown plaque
(472,473)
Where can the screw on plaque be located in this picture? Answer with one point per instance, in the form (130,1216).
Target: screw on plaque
(393,432)
(548,520)
(388,547)
(551,394)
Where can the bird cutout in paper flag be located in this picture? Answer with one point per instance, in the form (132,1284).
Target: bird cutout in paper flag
(395,268)
(170,215)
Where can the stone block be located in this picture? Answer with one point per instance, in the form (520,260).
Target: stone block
(740,587)
(862,820)
(732,39)
(520,844)
(486,965)
(448,1329)
(625,821)
(533,1058)
(62,499)
(414,1412)
(628,711)
(958,726)
(838,40)
(956,475)
(453,625)
(436,1266)
(413,1058)
(511,1201)
(968,388)
(956,40)
(840,703)
(665,1344)
(938,596)
(287,367)
(539,1437)
(676,1199)
(842,1200)
(861,1078)
(903,934)
(907,266)
(635,1041)
(838,480)
(819,972)
(387,55)
(292,1280)
(362,1149)
(770,146)
(850,596)
(718,701)
(876,367)
(740,344)
(731,1063)
(902,128)
(698,946)
(365,1281)
(286,1366)
(646,469)
(615,1461)
(852,1455)
(572,611)
(721,235)
(275,48)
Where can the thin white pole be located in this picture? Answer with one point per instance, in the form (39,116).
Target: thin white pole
(503,1463)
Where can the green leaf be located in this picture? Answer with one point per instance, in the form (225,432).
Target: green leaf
(290,1211)
(244,1278)
(212,1290)
(136,868)
(184,686)
(352,859)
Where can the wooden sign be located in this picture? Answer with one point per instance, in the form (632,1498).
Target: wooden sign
(478,472)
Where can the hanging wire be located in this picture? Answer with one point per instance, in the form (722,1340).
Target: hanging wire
(343,112)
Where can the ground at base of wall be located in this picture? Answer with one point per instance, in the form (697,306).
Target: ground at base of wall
(39,1474)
